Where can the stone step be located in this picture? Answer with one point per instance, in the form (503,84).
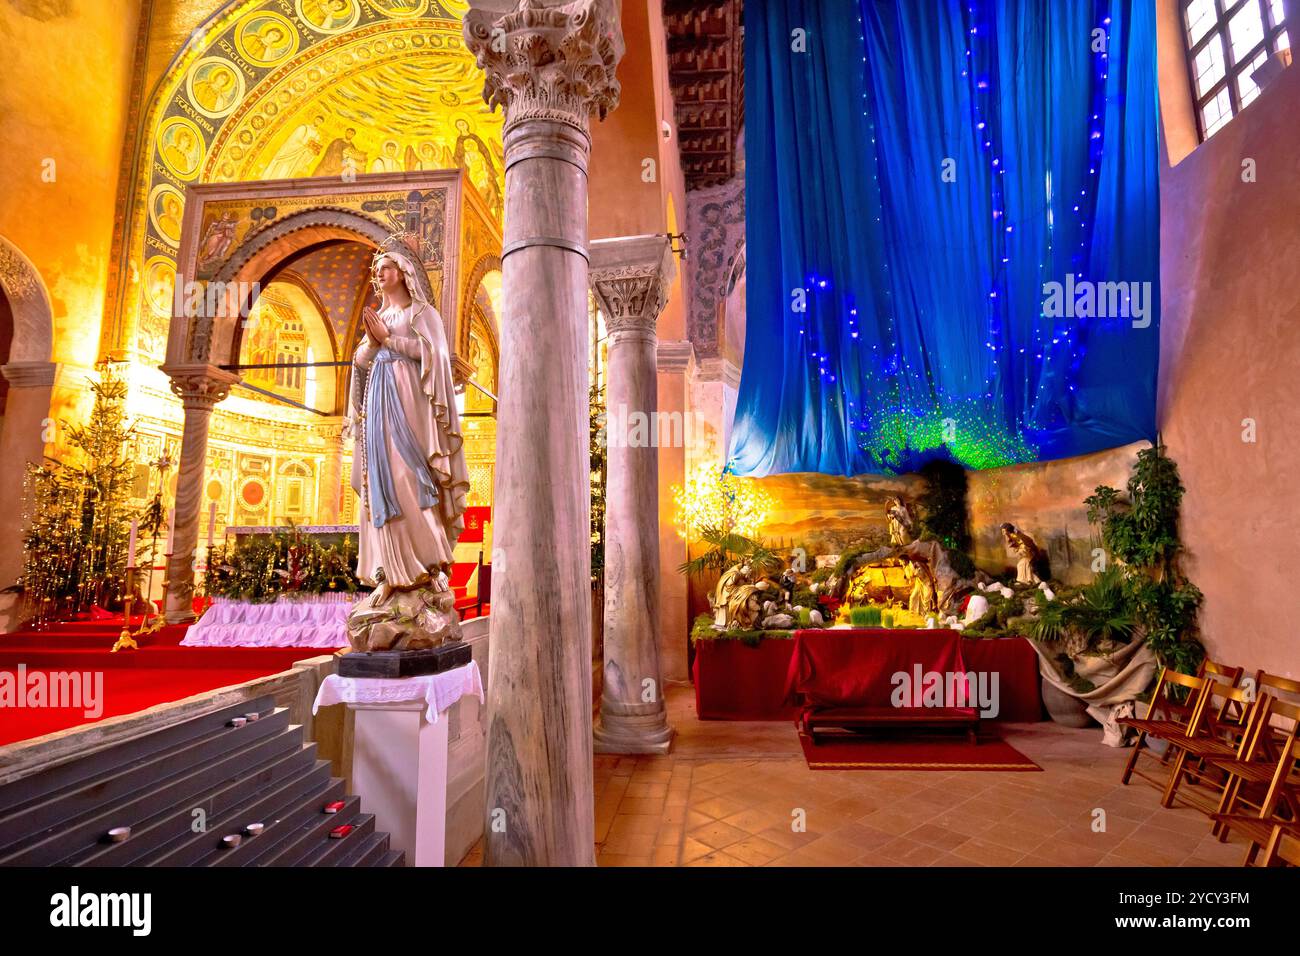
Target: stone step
(172,841)
(120,757)
(187,788)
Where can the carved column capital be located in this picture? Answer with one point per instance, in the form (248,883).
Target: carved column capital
(630,278)
(552,62)
(199,386)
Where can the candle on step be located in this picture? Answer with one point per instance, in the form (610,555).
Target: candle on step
(130,548)
(212,522)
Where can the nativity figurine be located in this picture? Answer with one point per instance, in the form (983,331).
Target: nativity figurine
(738,598)
(902,526)
(1031,560)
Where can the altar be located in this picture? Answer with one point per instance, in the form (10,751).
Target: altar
(738,680)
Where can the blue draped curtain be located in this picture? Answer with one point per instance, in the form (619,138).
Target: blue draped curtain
(952,232)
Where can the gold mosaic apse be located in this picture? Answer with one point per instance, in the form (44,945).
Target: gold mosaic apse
(270,89)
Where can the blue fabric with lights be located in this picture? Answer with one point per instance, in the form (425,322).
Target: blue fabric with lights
(953,222)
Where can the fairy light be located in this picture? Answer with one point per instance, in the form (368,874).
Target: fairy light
(713,497)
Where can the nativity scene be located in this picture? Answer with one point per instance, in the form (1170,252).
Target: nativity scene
(405,467)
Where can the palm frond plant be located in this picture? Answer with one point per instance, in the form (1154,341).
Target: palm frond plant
(1099,614)
(726,548)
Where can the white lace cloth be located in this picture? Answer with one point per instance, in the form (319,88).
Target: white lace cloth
(319,620)
(438,691)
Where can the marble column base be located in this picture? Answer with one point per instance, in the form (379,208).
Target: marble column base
(632,733)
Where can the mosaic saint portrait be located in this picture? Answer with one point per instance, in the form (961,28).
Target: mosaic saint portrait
(166,208)
(330,16)
(160,285)
(266,39)
(180,146)
(215,87)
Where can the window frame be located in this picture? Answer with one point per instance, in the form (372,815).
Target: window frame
(1233,68)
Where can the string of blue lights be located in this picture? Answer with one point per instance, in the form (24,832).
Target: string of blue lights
(953,223)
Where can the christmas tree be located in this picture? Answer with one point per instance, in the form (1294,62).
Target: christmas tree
(79,513)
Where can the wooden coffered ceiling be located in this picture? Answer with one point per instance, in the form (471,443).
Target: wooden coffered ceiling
(707,70)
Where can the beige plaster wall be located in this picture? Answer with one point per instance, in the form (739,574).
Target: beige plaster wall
(1229,353)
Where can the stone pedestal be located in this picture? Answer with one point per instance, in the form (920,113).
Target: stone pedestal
(27,430)
(399,770)
(630,278)
(199,387)
(549,67)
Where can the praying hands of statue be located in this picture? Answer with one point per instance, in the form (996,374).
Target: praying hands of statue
(375,328)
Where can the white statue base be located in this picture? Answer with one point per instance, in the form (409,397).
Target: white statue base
(399,769)
(399,752)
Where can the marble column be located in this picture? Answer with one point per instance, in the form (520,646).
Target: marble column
(676,366)
(331,476)
(631,278)
(550,66)
(199,387)
(28,428)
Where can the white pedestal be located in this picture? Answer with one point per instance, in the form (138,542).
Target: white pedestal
(399,770)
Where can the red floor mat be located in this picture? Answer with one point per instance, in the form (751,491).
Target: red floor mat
(914,753)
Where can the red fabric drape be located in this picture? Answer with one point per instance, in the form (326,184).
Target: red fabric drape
(855,668)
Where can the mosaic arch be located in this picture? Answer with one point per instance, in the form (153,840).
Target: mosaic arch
(270,89)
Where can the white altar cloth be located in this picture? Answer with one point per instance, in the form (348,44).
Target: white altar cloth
(316,620)
(438,691)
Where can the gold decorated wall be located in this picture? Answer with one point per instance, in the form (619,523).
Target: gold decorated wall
(258,90)
(266,89)
(63,117)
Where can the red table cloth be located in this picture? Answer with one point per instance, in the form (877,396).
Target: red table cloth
(734,681)
(739,681)
(856,668)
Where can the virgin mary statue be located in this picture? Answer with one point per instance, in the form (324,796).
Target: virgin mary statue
(409,464)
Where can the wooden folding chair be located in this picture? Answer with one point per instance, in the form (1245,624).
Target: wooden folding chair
(1283,688)
(1283,848)
(1220,673)
(1224,731)
(1268,768)
(1175,694)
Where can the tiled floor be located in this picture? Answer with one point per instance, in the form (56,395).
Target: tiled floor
(735,794)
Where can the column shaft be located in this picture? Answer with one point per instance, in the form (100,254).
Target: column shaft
(199,388)
(630,278)
(549,67)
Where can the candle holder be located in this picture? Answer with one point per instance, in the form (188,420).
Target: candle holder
(125,642)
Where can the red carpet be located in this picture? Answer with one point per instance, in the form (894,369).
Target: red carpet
(913,752)
(132,681)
